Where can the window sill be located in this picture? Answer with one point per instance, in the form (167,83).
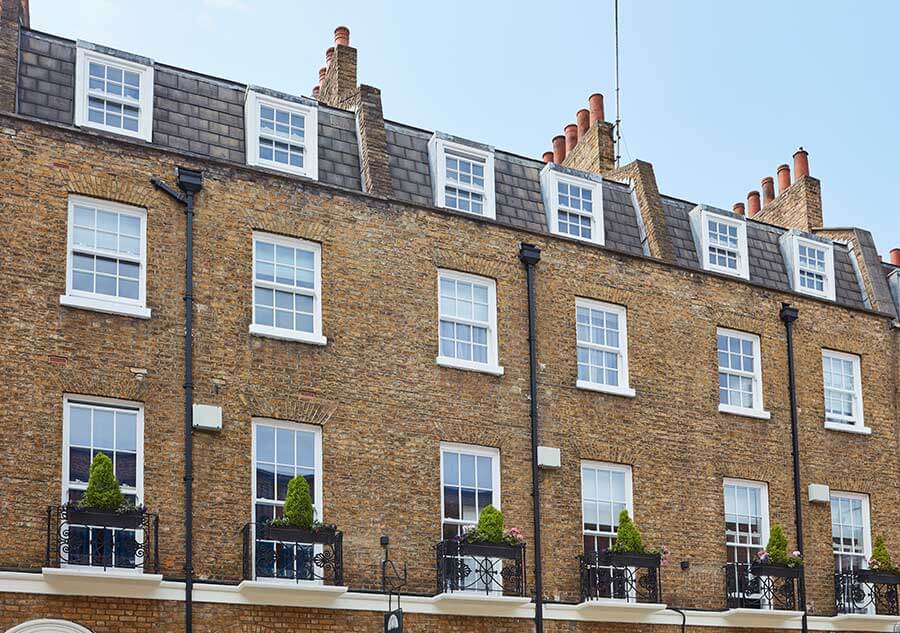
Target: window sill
(627,392)
(731,272)
(858,429)
(107,307)
(287,335)
(455,363)
(142,136)
(746,413)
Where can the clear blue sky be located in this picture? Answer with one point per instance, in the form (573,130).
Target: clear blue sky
(715,94)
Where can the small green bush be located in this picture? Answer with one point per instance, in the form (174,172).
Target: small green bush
(490,525)
(881,558)
(777,547)
(628,537)
(298,505)
(103,491)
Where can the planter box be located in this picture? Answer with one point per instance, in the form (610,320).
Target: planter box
(491,550)
(628,559)
(878,577)
(321,536)
(775,571)
(132,520)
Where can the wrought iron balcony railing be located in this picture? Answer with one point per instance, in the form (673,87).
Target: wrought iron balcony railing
(759,586)
(102,540)
(293,554)
(497,570)
(620,576)
(867,591)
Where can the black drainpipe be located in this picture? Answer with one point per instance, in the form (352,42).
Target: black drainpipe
(530,255)
(190,182)
(788,315)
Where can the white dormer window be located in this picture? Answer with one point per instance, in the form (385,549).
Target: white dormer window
(113,94)
(810,264)
(282,135)
(462,175)
(574,204)
(721,239)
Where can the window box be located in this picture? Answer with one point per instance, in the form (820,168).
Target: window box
(487,568)
(625,576)
(628,559)
(133,519)
(324,535)
(879,577)
(292,554)
(775,571)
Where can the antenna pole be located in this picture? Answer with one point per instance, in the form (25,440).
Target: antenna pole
(618,126)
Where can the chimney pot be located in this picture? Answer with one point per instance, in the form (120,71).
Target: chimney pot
(801,164)
(752,203)
(595,105)
(315,91)
(329,55)
(739,208)
(768,190)
(342,36)
(582,120)
(559,149)
(547,157)
(784,178)
(322,72)
(571,132)
(895,256)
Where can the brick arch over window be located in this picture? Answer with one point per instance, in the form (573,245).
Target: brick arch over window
(48,626)
(139,194)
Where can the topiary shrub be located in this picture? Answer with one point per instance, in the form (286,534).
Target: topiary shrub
(490,525)
(103,491)
(881,558)
(298,505)
(777,546)
(628,537)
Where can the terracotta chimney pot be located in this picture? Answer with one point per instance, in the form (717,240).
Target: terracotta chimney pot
(752,203)
(784,178)
(768,189)
(582,120)
(548,157)
(559,149)
(801,164)
(342,36)
(571,132)
(315,91)
(595,105)
(895,256)
(739,208)
(329,55)
(322,72)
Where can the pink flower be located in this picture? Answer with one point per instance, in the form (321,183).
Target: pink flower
(796,553)
(762,554)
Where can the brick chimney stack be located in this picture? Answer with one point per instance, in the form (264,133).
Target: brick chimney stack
(799,203)
(588,143)
(13,16)
(339,82)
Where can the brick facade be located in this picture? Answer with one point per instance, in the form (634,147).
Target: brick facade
(383,404)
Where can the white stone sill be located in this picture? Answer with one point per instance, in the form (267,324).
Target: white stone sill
(745,413)
(848,428)
(287,335)
(455,363)
(106,307)
(625,392)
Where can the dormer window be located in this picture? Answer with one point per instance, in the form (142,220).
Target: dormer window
(113,94)
(282,134)
(810,263)
(463,175)
(721,239)
(574,203)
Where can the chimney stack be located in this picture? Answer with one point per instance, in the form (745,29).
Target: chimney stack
(547,157)
(582,120)
(739,208)
(595,106)
(559,149)
(752,203)
(895,256)
(801,164)
(768,189)
(784,178)
(342,36)
(571,132)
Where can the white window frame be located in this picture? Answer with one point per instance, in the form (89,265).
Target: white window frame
(114,403)
(437,152)
(252,104)
(629,492)
(270,331)
(790,247)
(318,506)
(492,365)
(100,302)
(763,489)
(857,423)
(624,386)
(83,57)
(867,522)
(758,409)
(551,176)
(700,217)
